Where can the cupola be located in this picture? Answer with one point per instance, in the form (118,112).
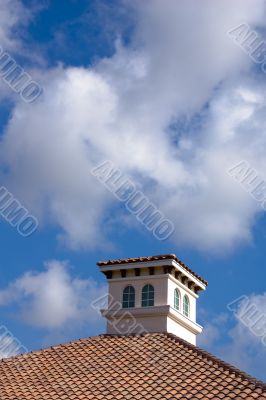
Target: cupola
(152,294)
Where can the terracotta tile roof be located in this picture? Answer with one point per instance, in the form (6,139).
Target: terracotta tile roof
(151,366)
(152,258)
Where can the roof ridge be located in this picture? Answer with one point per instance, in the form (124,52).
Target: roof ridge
(219,362)
(204,353)
(53,347)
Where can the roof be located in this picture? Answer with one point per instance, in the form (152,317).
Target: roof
(150,366)
(151,258)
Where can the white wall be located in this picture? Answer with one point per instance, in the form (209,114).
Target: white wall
(141,325)
(159,283)
(164,286)
(172,285)
(180,331)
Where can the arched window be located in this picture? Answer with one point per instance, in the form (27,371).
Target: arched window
(186,308)
(129,297)
(177,299)
(147,296)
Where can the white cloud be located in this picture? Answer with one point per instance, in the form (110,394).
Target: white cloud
(14,19)
(53,299)
(239,340)
(12,14)
(123,109)
(211,330)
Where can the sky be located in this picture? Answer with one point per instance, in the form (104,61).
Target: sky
(176,104)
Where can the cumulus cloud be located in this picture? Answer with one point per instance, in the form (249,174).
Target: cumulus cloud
(212,330)
(53,299)
(179,66)
(12,14)
(239,336)
(248,335)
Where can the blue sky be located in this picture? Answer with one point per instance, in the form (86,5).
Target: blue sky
(166,95)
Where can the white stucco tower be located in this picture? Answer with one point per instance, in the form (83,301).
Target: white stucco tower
(152,294)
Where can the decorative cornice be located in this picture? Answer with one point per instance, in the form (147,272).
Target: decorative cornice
(149,259)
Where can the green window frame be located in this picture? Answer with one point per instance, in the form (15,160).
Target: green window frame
(128,297)
(147,299)
(177,300)
(186,306)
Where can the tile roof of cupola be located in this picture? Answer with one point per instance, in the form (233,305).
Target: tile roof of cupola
(151,258)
